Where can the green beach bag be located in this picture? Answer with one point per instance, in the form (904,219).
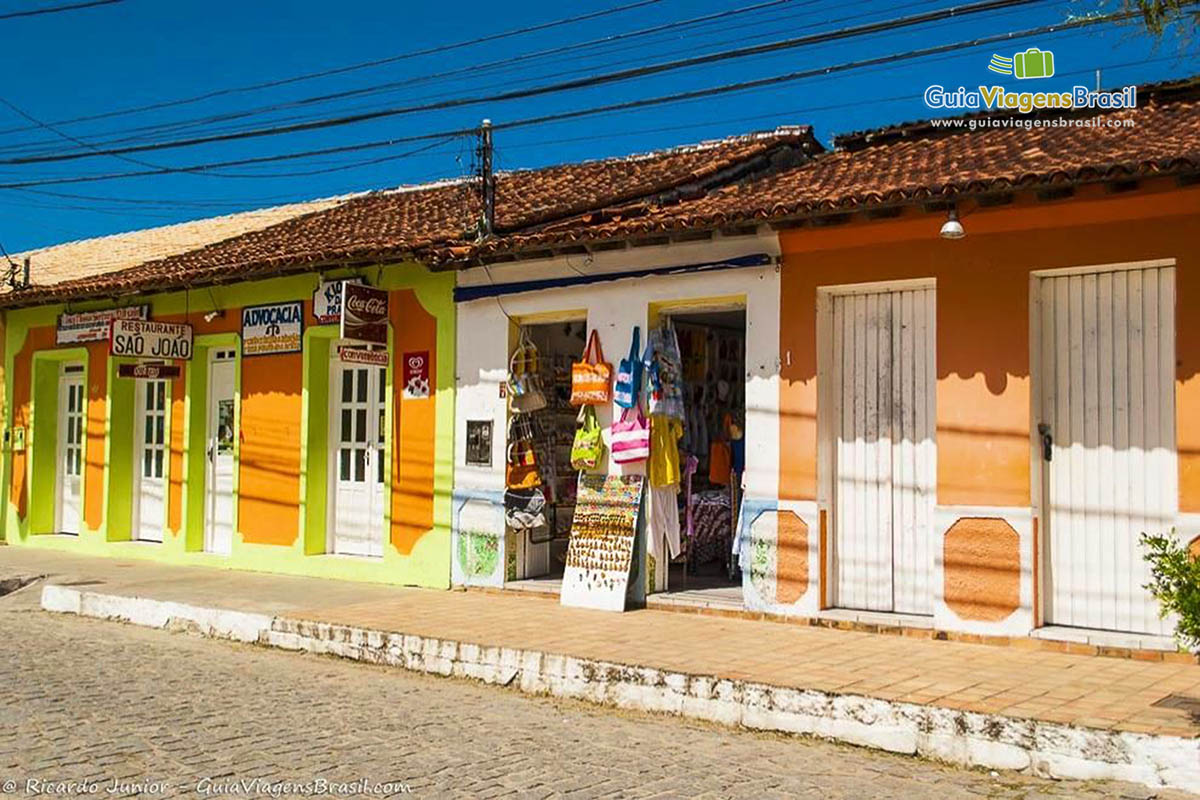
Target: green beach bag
(588,446)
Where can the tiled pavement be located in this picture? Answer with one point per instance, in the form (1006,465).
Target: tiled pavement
(81,700)
(1084,690)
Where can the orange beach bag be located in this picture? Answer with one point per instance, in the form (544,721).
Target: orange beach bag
(591,378)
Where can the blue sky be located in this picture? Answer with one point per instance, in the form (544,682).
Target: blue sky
(138,52)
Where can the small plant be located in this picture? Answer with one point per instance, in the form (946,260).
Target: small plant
(1175,584)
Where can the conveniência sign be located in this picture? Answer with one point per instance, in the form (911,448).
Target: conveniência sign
(140,338)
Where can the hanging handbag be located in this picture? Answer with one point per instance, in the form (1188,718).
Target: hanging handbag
(521,469)
(524,509)
(629,373)
(524,382)
(631,437)
(588,446)
(591,378)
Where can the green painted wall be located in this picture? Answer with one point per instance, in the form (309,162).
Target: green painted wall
(429,562)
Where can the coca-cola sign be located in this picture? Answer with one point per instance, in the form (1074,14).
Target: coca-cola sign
(364,313)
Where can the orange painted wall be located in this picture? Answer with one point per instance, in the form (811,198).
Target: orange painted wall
(413,424)
(269,481)
(983,390)
(21,387)
(97,412)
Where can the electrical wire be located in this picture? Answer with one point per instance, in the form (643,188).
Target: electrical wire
(554,88)
(542,26)
(135,133)
(730,88)
(496,67)
(36,12)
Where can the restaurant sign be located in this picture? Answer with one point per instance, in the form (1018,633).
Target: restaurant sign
(148,339)
(149,372)
(327,301)
(364,314)
(276,328)
(92,326)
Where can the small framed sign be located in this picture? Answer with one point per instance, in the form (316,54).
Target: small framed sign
(272,329)
(364,314)
(327,301)
(149,339)
(416,375)
(479,442)
(149,372)
(93,326)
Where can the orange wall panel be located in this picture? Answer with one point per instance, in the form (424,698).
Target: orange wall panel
(983,366)
(97,413)
(269,480)
(414,424)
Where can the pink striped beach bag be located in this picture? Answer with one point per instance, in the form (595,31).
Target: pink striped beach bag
(630,437)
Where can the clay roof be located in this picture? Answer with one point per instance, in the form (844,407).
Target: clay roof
(914,162)
(396,223)
(104,254)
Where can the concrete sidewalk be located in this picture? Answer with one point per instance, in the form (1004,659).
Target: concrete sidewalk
(1054,714)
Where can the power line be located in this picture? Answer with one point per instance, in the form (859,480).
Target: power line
(34,12)
(353,67)
(498,67)
(580,83)
(225,205)
(631,104)
(473,70)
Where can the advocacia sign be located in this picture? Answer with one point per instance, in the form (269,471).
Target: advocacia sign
(272,329)
(147,339)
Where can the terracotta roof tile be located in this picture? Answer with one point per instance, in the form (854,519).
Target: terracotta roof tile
(105,254)
(396,223)
(909,163)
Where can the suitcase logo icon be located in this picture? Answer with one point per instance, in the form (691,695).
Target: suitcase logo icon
(1033,63)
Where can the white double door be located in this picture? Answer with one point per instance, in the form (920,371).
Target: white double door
(358,427)
(219,447)
(71,415)
(1105,365)
(880,429)
(150,460)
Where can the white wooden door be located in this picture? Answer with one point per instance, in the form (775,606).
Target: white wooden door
(218,506)
(150,460)
(882,447)
(71,409)
(358,431)
(1106,368)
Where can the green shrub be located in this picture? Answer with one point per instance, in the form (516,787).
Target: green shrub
(1175,584)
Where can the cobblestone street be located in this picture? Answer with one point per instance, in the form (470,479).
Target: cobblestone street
(99,702)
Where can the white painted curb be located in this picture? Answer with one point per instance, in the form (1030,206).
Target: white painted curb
(991,741)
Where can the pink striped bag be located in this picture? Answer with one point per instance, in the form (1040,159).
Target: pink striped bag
(630,437)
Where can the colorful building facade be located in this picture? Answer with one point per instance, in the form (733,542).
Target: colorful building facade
(282,461)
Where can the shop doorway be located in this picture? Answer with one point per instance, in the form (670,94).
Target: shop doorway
(358,428)
(1105,354)
(71,410)
(712,454)
(880,353)
(218,503)
(540,552)
(150,465)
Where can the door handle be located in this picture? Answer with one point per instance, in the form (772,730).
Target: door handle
(1047,441)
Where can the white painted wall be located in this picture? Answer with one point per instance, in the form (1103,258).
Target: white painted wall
(614,308)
